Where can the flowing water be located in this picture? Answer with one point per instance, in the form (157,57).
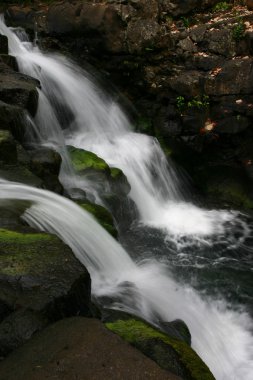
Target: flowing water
(73,110)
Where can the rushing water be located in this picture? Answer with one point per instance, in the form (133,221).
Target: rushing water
(73,110)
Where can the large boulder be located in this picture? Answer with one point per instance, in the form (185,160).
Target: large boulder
(41,281)
(79,348)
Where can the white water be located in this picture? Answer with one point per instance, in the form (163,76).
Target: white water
(93,121)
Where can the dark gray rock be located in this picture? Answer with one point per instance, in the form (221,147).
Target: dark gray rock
(40,281)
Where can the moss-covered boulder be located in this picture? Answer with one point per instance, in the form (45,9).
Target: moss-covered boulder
(85,162)
(111,180)
(102,215)
(169,353)
(40,281)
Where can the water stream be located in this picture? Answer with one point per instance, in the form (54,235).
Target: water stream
(73,110)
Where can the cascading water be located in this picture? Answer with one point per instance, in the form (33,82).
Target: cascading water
(70,101)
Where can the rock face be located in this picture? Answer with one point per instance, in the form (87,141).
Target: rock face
(41,282)
(80,348)
(188,70)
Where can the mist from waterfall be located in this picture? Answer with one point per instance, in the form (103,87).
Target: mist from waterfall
(74,111)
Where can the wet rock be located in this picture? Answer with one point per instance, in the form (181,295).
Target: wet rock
(10,116)
(18,90)
(41,281)
(8,149)
(3,44)
(20,173)
(46,164)
(101,214)
(94,168)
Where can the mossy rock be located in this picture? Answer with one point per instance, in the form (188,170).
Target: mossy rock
(228,184)
(102,215)
(40,281)
(112,180)
(169,353)
(84,161)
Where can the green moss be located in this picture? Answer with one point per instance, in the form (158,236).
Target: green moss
(137,332)
(102,215)
(8,236)
(22,253)
(116,173)
(83,160)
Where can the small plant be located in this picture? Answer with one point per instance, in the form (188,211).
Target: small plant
(186,22)
(180,103)
(238,31)
(199,102)
(222,6)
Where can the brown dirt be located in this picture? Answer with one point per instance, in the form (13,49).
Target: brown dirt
(79,349)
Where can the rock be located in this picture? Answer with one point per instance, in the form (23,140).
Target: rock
(230,79)
(3,44)
(79,348)
(102,215)
(41,281)
(10,117)
(187,83)
(221,42)
(102,22)
(94,168)
(178,7)
(20,16)
(10,61)
(232,124)
(142,35)
(19,173)
(177,329)
(46,164)
(8,149)
(228,184)
(19,90)
(169,353)
(85,162)
(187,45)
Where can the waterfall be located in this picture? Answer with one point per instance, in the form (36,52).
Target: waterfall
(74,111)
(220,336)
